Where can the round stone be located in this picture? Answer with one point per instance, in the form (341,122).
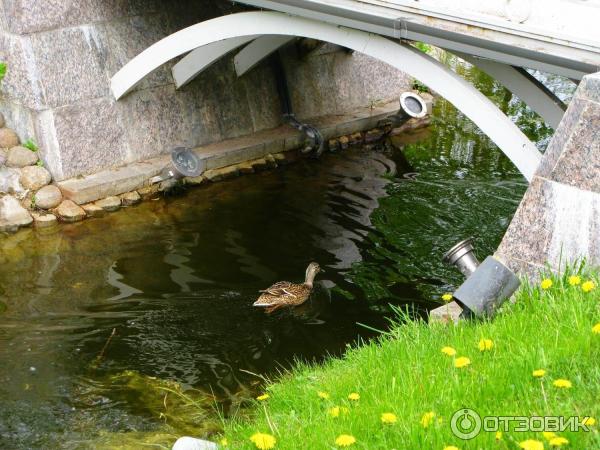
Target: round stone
(70,211)
(8,138)
(44,220)
(20,157)
(109,203)
(34,177)
(48,197)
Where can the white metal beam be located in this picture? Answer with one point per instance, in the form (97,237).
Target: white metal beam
(257,50)
(408,19)
(403,57)
(524,86)
(202,57)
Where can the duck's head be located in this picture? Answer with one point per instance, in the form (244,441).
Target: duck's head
(311,271)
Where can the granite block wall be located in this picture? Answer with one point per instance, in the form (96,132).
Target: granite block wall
(61,55)
(558,220)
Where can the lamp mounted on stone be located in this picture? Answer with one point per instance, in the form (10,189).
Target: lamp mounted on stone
(488,285)
(412,106)
(184,163)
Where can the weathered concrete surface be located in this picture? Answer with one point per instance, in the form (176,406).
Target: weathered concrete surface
(558,220)
(251,148)
(80,129)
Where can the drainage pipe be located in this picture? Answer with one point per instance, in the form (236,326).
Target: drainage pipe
(313,142)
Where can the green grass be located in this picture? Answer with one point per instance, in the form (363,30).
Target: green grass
(405,373)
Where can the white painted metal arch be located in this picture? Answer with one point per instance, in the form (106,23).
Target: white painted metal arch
(403,57)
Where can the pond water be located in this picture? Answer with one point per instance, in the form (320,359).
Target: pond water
(176,279)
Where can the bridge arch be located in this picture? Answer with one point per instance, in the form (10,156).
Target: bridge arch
(223,34)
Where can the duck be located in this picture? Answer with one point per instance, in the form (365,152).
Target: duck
(285,294)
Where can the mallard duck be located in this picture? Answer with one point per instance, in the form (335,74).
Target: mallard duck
(285,293)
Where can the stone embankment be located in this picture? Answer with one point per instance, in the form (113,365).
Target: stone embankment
(28,195)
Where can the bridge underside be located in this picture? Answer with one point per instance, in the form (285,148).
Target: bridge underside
(553,37)
(208,41)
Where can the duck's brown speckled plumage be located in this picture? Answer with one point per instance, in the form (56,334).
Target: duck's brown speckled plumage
(285,293)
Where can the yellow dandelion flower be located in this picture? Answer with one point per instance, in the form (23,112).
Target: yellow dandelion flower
(589,421)
(562,383)
(485,345)
(574,280)
(389,418)
(448,351)
(447,297)
(545,284)
(427,419)
(224,442)
(337,411)
(263,441)
(548,435)
(262,398)
(461,362)
(345,440)
(354,396)
(498,435)
(538,373)
(558,441)
(596,328)
(323,395)
(531,444)
(588,286)
(451,447)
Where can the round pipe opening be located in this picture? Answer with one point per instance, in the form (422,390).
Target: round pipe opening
(413,105)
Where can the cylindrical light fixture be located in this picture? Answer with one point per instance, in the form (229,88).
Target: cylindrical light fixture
(463,257)
(184,163)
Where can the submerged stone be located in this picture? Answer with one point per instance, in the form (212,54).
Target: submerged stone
(109,203)
(44,220)
(70,211)
(130,198)
(221,174)
(195,181)
(93,210)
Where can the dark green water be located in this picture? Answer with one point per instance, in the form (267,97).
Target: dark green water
(176,279)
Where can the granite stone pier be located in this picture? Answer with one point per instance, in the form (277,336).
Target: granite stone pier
(558,220)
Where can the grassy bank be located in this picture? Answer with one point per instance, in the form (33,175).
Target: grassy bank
(407,376)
